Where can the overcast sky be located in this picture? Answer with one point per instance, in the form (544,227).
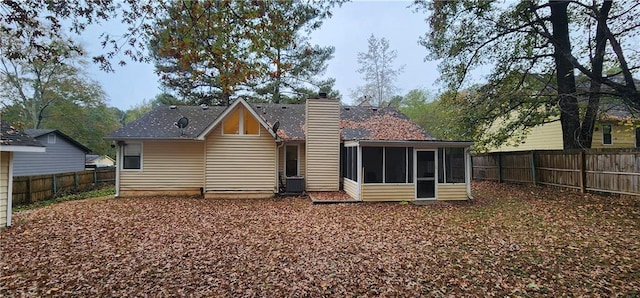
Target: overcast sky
(348,31)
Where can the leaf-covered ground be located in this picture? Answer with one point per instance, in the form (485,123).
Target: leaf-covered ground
(512,240)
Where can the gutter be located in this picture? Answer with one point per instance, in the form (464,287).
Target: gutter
(118,167)
(278,147)
(10,190)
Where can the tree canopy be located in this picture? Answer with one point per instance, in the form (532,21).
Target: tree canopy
(209,50)
(533,49)
(56,94)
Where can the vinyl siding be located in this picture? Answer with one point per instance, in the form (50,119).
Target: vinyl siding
(451,192)
(323,145)
(544,137)
(167,166)
(388,192)
(240,163)
(549,137)
(622,136)
(351,188)
(4,186)
(61,157)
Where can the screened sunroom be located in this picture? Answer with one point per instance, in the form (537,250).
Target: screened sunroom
(406,170)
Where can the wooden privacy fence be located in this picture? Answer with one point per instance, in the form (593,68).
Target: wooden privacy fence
(31,189)
(599,171)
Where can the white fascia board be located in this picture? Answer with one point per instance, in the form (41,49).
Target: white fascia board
(11,148)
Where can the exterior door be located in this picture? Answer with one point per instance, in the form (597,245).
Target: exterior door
(425,174)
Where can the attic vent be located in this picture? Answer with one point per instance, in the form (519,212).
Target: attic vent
(347,108)
(172,107)
(258,107)
(374,109)
(204,106)
(322,94)
(284,108)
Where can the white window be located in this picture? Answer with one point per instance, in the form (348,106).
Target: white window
(387,164)
(132,156)
(451,165)
(240,122)
(51,138)
(606,134)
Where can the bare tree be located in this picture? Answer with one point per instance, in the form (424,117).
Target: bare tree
(378,72)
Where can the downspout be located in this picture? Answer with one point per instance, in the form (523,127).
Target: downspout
(278,147)
(360,174)
(10,189)
(469,171)
(118,167)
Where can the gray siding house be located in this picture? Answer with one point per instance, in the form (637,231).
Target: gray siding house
(63,155)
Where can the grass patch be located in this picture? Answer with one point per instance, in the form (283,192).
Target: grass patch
(101,192)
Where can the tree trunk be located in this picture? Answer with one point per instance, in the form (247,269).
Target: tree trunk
(278,80)
(569,116)
(225,98)
(591,114)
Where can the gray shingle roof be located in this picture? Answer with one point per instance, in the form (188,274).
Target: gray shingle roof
(159,123)
(36,133)
(617,112)
(357,123)
(291,117)
(10,136)
(371,123)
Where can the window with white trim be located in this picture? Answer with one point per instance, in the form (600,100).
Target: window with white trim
(607,138)
(291,161)
(387,164)
(132,156)
(373,164)
(349,160)
(451,165)
(240,122)
(51,138)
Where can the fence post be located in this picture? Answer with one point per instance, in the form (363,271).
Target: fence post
(500,167)
(95,176)
(55,185)
(75,180)
(532,158)
(29,190)
(583,174)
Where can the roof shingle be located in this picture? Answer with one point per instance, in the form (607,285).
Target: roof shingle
(357,123)
(10,136)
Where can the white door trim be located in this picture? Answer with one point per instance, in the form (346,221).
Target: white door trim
(435,174)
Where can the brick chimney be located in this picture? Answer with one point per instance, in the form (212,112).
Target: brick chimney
(322,144)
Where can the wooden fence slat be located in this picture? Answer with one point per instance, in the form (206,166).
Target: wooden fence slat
(31,189)
(583,176)
(595,170)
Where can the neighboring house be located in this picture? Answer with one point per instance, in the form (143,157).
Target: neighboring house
(98,161)
(12,142)
(615,128)
(63,155)
(374,154)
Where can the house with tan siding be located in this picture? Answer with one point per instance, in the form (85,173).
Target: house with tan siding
(12,141)
(259,150)
(615,128)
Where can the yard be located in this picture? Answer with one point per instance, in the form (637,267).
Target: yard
(512,240)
